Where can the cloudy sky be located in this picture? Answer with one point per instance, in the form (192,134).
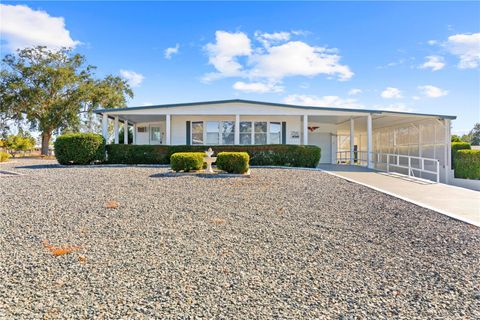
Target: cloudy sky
(419,57)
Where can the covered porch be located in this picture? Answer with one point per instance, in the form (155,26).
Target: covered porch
(416,145)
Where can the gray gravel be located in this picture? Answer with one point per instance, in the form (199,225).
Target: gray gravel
(281,244)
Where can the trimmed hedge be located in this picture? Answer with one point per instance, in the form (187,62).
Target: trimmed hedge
(79,148)
(260,155)
(467,164)
(456,146)
(187,161)
(233,162)
(138,154)
(4,156)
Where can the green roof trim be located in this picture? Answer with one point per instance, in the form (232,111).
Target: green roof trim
(272,104)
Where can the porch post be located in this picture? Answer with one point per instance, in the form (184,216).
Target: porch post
(115,130)
(167,129)
(125,132)
(105,126)
(134,129)
(305,129)
(448,141)
(352,140)
(237,129)
(369,141)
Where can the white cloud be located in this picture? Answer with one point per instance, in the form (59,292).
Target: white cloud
(433,62)
(467,48)
(391,93)
(297,58)
(278,57)
(257,87)
(354,92)
(224,52)
(432,42)
(339,102)
(169,52)
(432,91)
(324,101)
(268,39)
(23,27)
(133,78)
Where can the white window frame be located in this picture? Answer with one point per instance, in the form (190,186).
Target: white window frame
(220,131)
(204,135)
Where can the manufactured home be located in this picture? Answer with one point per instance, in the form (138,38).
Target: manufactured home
(410,143)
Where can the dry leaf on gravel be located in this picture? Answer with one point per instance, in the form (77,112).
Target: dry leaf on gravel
(112,204)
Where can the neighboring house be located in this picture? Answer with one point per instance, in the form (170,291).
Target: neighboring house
(378,136)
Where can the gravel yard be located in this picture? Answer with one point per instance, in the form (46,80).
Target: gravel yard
(289,244)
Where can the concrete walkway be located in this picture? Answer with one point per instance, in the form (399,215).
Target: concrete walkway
(459,203)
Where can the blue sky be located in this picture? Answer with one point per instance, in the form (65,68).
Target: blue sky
(420,57)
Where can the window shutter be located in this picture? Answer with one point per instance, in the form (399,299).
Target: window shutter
(188,133)
(284,133)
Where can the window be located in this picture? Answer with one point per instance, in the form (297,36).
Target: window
(213,132)
(228,132)
(155,134)
(197,132)
(245,132)
(141,129)
(260,136)
(275,133)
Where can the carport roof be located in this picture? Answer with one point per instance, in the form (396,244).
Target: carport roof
(273,104)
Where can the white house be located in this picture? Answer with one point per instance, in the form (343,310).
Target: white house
(410,143)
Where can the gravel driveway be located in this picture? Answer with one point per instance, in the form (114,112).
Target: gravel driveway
(289,244)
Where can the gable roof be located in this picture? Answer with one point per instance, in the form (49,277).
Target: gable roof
(273,104)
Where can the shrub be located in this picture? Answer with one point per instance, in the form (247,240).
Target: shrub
(267,155)
(467,164)
(137,154)
(458,146)
(4,156)
(187,161)
(233,162)
(260,155)
(79,148)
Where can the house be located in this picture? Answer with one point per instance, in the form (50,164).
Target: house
(410,143)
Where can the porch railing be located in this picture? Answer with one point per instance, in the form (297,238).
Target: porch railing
(415,166)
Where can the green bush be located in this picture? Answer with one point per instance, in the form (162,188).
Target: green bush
(187,161)
(138,154)
(4,156)
(458,146)
(79,148)
(467,164)
(260,155)
(233,162)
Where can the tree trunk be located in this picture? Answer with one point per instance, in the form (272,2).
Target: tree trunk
(45,141)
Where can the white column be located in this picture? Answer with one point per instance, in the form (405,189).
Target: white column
(369,141)
(125,132)
(447,148)
(352,139)
(167,129)
(105,126)
(237,129)
(134,129)
(305,129)
(115,130)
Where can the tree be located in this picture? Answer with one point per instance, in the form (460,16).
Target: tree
(474,135)
(54,88)
(19,143)
(455,138)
